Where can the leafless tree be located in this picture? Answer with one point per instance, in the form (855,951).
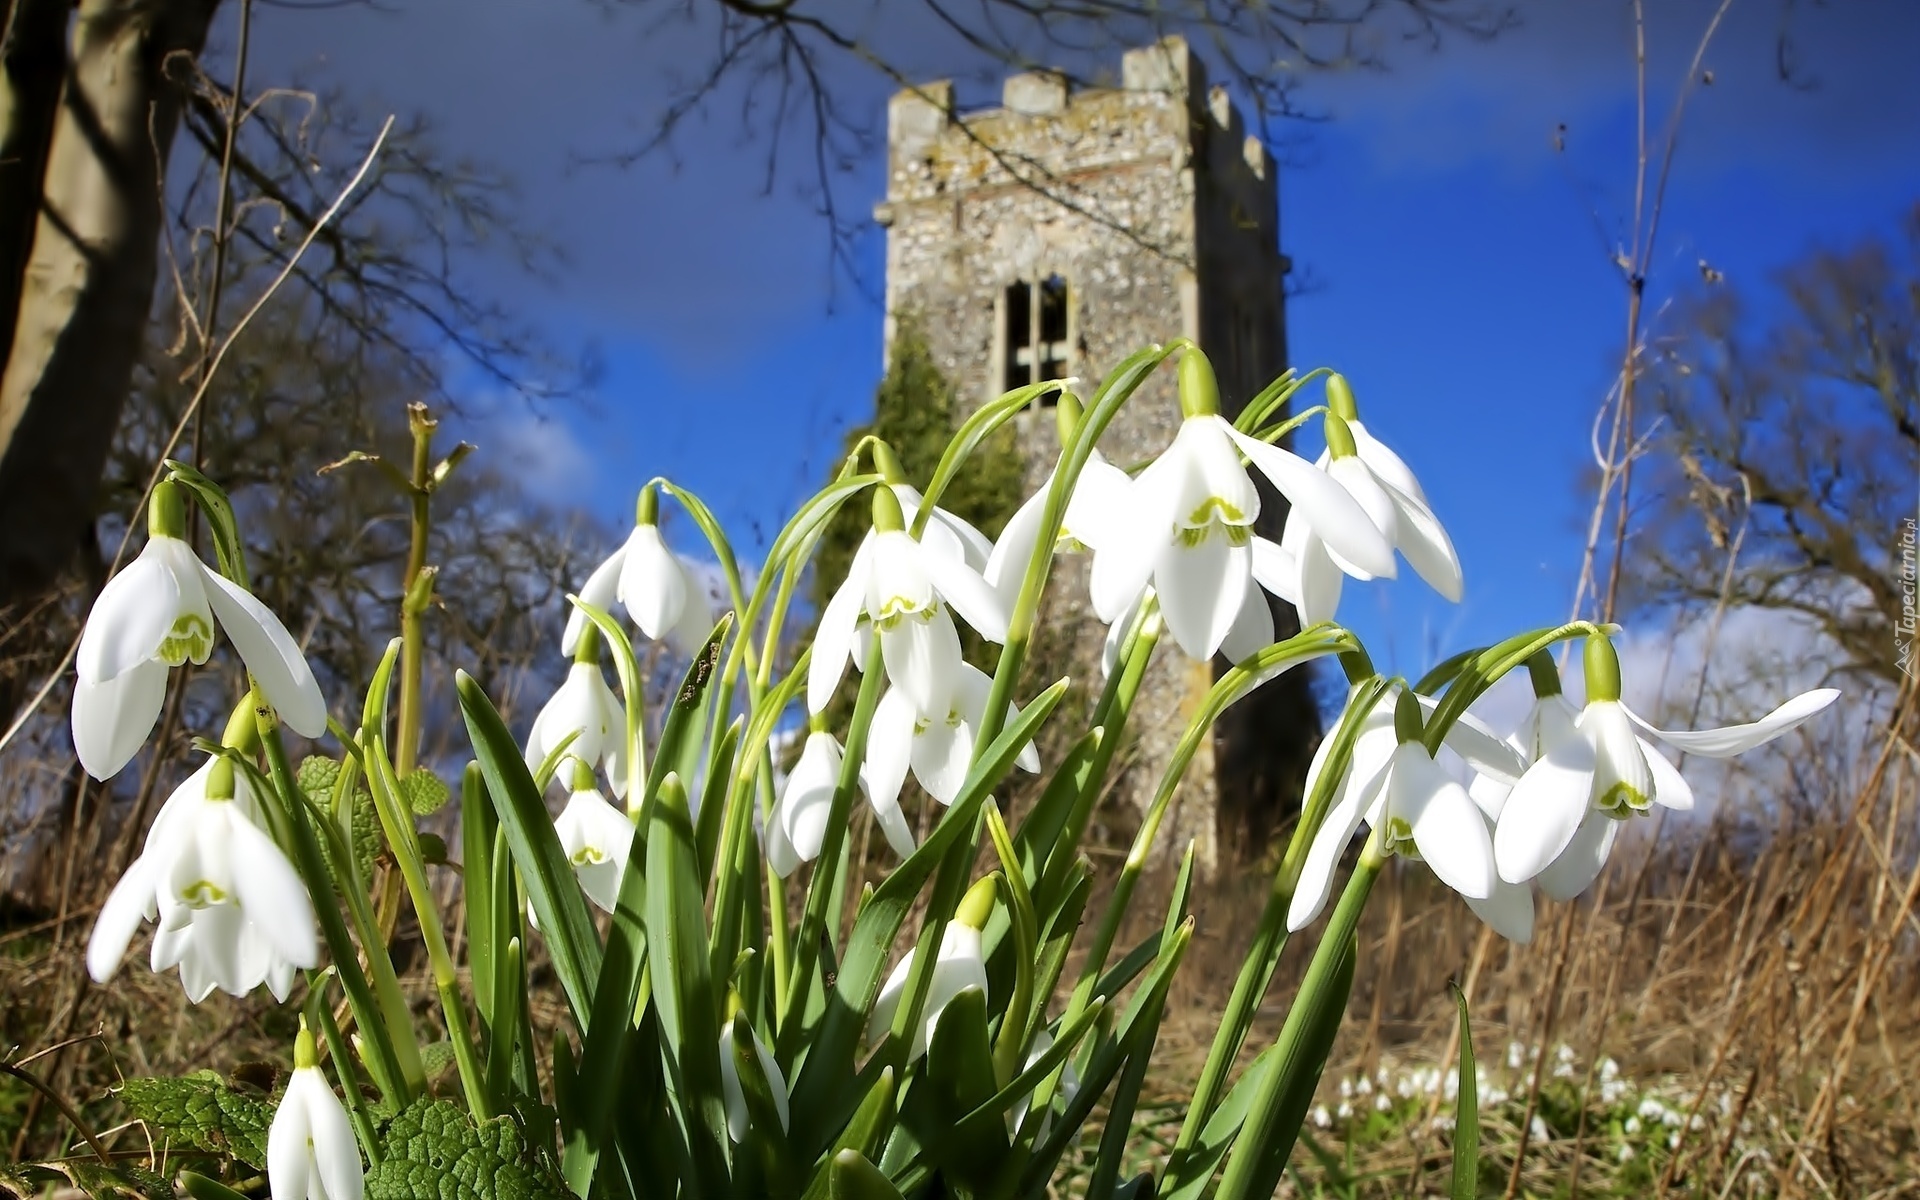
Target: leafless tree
(1788,424)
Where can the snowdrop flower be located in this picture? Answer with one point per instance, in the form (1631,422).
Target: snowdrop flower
(584,704)
(737,1032)
(905,589)
(1063,1095)
(937,749)
(1386,490)
(232,911)
(799,823)
(1189,522)
(1392,782)
(1591,769)
(961,965)
(666,600)
(159,613)
(597,838)
(311,1154)
(1098,494)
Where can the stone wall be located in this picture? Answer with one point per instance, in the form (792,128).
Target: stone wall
(1161,214)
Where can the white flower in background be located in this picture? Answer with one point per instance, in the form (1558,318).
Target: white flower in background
(905,589)
(232,911)
(583,703)
(597,838)
(1188,522)
(1391,497)
(159,613)
(937,749)
(961,965)
(1591,769)
(799,823)
(735,1094)
(1427,814)
(1099,495)
(667,601)
(1063,1095)
(311,1154)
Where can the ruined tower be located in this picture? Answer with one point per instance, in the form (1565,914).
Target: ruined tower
(1051,237)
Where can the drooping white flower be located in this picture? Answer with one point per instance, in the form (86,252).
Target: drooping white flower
(232,911)
(311,1154)
(945,533)
(1428,815)
(961,965)
(734,1093)
(1089,523)
(1386,490)
(905,589)
(799,822)
(667,601)
(1509,911)
(584,703)
(597,838)
(1592,766)
(158,613)
(1188,522)
(938,750)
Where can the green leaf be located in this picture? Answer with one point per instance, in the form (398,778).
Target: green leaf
(852,1177)
(424,792)
(572,941)
(201,1188)
(1466,1116)
(88,1178)
(683,994)
(202,1111)
(318,776)
(433,1151)
(957,1080)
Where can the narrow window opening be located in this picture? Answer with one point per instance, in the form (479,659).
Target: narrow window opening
(1037,332)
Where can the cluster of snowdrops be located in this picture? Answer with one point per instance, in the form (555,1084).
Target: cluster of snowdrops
(734,1029)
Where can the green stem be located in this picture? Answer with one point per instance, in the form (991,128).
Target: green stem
(397,819)
(321,1013)
(826,875)
(1252,1170)
(384,1063)
(414,596)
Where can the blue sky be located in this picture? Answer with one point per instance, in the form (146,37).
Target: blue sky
(1465,286)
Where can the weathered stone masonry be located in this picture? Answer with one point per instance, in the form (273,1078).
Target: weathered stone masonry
(1159,215)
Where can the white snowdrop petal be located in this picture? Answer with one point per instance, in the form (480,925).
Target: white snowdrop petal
(1580,864)
(922,658)
(941,754)
(1334,514)
(1670,788)
(1007,565)
(653,584)
(1449,831)
(270,892)
(970,596)
(1252,630)
(833,640)
(889,749)
(1201,588)
(1425,543)
(1509,911)
(602,590)
(112,719)
(1544,810)
(133,615)
(120,918)
(273,658)
(1735,739)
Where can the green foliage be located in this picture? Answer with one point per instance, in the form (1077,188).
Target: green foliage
(424,792)
(204,1112)
(86,1177)
(433,1151)
(317,777)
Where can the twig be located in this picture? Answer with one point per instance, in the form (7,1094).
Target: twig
(193,406)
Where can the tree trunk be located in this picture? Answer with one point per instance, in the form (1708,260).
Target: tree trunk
(34,58)
(83,296)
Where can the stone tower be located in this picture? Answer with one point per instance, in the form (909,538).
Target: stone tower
(1055,235)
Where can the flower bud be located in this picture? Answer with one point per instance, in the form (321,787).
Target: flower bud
(1603,669)
(1340,398)
(887,517)
(1339,437)
(1199,390)
(167,511)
